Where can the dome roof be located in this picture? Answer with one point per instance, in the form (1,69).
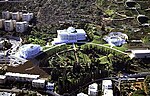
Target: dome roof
(71,29)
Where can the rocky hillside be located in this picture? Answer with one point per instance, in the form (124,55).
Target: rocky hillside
(57,12)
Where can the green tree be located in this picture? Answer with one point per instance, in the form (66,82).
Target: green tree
(139,93)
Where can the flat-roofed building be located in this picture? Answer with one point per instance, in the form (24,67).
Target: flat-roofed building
(140,54)
(70,35)
(21,26)
(16,16)
(27,17)
(107,88)
(2,23)
(7,94)
(50,86)
(6,15)
(39,83)
(20,77)
(9,25)
(2,79)
(29,51)
(93,89)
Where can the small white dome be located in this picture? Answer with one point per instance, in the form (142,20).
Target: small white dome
(71,29)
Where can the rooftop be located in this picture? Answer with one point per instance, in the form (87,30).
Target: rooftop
(107,82)
(2,76)
(39,81)
(21,75)
(140,51)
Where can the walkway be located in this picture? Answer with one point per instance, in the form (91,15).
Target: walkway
(109,48)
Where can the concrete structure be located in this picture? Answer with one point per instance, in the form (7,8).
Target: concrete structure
(1,43)
(93,89)
(143,20)
(70,35)
(6,15)
(16,16)
(21,26)
(132,4)
(39,83)
(9,25)
(50,86)
(28,51)
(116,38)
(20,77)
(140,53)
(2,23)
(27,16)
(7,94)
(82,94)
(107,88)
(2,79)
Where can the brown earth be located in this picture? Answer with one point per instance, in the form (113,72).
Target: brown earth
(28,68)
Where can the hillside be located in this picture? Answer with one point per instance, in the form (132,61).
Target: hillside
(57,12)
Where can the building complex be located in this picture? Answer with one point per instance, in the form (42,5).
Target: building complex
(17,21)
(70,35)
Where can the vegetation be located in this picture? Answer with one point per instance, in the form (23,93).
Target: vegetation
(70,69)
(139,93)
(147,81)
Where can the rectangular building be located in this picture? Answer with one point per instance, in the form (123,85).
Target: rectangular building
(2,79)
(93,89)
(140,53)
(27,17)
(50,86)
(9,25)
(2,23)
(16,16)
(107,88)
(39,83)
(21,26)
(20,77)
(70,35)
(6,15)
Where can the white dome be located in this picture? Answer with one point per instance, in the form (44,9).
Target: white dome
(71,29)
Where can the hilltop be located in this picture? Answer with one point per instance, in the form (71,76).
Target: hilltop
(58,12)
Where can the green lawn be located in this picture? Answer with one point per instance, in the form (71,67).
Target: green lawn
(104,60)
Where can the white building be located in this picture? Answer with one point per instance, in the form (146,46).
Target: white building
(39,83)
(140,54)
(7,94)
(27,16)
(16,16)
(82,94)
(21,26)
(2,79)
(6,15)
(28,51)
(107,88)
(21,77)
(50,86)
(2,23)
(116,38)
(9,25)
(93,89)
(70,35)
